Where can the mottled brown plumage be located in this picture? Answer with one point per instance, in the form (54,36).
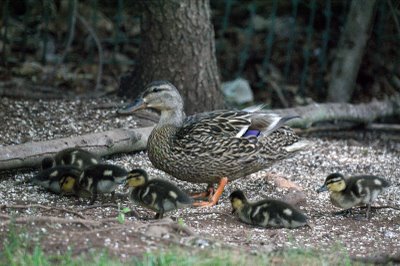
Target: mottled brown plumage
(207,147)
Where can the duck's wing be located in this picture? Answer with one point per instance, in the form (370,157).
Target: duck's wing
(230,124)
(217,123)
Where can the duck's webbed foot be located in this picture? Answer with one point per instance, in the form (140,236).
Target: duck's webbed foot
(205,194)
(213,198)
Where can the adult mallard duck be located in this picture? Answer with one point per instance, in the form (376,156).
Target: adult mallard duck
(347,192)
(214,146)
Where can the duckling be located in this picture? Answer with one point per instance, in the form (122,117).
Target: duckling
(48,162)
(155,194)
(50,178)
(77,157)
(353,191)
(267,212)
(100,178)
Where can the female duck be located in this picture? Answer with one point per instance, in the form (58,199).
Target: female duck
(212,147)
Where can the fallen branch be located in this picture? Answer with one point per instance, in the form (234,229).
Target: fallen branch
(105,143)
(48,208)
(363,113)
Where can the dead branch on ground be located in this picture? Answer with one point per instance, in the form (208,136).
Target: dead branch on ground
(105,143)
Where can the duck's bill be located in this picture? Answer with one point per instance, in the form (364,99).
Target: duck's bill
(322,189)
(138,104)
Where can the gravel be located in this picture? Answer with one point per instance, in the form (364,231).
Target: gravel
(25,121)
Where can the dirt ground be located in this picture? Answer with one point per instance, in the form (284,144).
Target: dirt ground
(62,223)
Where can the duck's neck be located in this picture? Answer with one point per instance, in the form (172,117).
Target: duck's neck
(171,118)
(160,140)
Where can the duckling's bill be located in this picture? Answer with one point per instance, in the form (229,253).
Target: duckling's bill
(322,188)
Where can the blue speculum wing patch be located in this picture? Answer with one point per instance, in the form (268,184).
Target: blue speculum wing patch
(251,132)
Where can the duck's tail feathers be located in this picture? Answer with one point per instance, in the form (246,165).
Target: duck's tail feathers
(254,108)
(270,122)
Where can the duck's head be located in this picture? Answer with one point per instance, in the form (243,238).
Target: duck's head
(68,184)
(238,200)
(136,178)
(47,163)
(158,95)
(334,182)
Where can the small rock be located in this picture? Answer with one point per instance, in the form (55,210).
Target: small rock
(238,91)
(295,197)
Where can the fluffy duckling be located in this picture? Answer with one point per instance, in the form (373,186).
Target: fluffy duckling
(100,178)
(47,163)
(155,194)
(267,212)
(71,156)
(353,191)
(50,178)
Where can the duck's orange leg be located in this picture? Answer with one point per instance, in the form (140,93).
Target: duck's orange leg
(213,200)
(206,194)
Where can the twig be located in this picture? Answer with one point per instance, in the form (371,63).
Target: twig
(119,227)
(49,219)
(113,205)
(99,49)
(383,259)
(382,207)
(48,208)
(385,127)
(210,213)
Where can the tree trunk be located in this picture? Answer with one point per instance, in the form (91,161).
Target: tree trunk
(177,44)
(350,50)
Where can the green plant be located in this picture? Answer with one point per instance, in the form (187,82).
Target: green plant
(121,213)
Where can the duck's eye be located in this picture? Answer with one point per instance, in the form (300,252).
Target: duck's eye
(157,89)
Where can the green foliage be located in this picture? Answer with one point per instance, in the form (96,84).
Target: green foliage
(18,249)
(121,213)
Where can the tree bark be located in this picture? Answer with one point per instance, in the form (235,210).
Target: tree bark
(350,51)
(177,44)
